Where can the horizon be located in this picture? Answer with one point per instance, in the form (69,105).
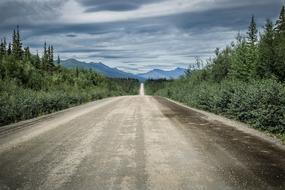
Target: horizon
(134,73)
(133,36)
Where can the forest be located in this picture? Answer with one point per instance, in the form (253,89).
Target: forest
(243,81)
(33,85)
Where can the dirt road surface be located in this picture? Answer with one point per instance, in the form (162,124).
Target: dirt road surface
(135,142)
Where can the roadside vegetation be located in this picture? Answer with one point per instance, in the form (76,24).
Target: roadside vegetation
(31,85)
(244,81)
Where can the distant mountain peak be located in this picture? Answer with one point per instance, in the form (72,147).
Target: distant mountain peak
(100,68)
(117,73)
(161,74)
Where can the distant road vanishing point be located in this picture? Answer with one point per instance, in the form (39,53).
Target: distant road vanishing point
(136,142)
(142,89)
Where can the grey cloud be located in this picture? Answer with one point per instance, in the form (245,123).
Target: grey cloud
(26,11)
(71,35)
(138,44)
(87,50)
(114,5)
(234,17)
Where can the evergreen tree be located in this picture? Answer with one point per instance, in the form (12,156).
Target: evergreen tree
(280,23)
(252,32)
(45,57)
(58,60)
(9,50)
(240,68)
(2,48)
(51,57)
(27,53)
(48,54)
(37,61)
(14,43)
(266,54)
(279,44)
(17,45)
(221,64)
(50,64)
(251,52)
(77,72)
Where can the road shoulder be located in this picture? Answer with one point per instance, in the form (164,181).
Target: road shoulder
(21,125)
(236,124)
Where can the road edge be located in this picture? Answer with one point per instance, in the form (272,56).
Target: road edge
(13,127)
(233,123)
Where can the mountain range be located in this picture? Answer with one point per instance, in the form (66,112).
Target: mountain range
(116,73)
(161,74)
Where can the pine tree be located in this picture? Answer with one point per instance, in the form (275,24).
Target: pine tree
(2,48)
(17,45)
(58,60)
(251,53)
(252,32)
(48,54)
(14,43)
(5,45)
(279,46)
(280,23)
(51,58)
(77,72)
(45,57)
(27,53)
(9,50)
(266,55)
(240,68)
(37,61)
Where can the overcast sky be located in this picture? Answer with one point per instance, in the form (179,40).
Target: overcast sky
(133,35)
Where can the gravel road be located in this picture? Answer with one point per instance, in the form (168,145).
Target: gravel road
(135,142)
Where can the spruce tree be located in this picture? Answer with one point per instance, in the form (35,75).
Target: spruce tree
(48,54)
(9,50)
(14,43)
(280,23)
(252,32)
(37,61)
(240,68)
(279,44)
(45,57)
(17,44)
(5,45)
(27,54)
(2,48)
(51,56)
(266,55)
(77,72)
(251,53)
(58,60)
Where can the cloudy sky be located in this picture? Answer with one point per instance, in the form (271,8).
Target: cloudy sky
(133,35)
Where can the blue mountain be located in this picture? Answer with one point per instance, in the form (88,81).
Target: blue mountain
(116,73)
(161,74)
(100,68)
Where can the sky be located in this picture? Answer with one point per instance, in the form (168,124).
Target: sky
(133,35)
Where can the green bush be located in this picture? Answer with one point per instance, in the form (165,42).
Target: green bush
(260,103)
(18,103)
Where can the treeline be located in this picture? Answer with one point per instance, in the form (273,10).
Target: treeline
(244,81)
(33,85)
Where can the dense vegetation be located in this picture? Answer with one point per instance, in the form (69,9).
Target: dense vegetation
(31,85)
(244,81)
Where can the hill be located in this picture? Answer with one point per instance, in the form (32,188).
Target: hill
(116,73)
(161,74)
(98,67)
